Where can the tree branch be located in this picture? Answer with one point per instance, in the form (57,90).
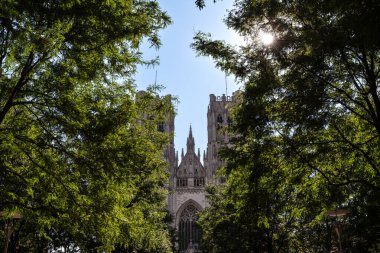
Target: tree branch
(371,80)
(356,147)
(21,82)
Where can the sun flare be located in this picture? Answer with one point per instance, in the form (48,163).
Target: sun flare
(266,38)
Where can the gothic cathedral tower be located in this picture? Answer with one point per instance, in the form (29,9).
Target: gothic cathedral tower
(188,179)
(217,117)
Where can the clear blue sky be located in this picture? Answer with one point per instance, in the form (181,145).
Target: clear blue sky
(186,76)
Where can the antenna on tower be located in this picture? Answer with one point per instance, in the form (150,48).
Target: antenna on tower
(225,78)
(155,79)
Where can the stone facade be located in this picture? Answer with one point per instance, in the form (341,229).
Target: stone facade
(189,177)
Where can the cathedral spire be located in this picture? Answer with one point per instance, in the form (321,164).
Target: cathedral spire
(190,141)
(176,159)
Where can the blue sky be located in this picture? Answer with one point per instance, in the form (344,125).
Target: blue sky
(186,76)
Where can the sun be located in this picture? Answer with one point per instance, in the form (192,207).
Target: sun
(266,38)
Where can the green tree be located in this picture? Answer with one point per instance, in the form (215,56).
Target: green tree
(80,158)
(306,125)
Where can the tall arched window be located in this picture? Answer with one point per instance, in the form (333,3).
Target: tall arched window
(189,232)
(219,121)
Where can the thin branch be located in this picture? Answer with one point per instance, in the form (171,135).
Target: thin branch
(26,103)
(340,90)
(49,132)
(21,82)
(350,73)
(15,173)
(324,175)
(349,108)
(54,176)
(356,147)
(371,80)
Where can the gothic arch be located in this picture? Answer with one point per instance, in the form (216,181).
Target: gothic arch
(189,234)
(183,206)
(219,119)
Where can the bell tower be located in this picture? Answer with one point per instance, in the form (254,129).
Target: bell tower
(217,118)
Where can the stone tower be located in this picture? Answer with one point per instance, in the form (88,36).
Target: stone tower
(217,117)
(166,126)
(170,155)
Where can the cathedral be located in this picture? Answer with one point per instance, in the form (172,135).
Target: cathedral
(189,177)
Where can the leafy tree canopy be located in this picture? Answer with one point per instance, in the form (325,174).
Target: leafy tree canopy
(306,124)
(81,157)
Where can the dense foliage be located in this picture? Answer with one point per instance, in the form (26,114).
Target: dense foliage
(306,133)
(81,157)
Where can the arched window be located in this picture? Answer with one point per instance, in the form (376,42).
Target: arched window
(189,233)
(199,181)
(181,182)
(219,119)
(161,127)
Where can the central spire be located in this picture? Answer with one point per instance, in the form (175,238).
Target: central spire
(190,141)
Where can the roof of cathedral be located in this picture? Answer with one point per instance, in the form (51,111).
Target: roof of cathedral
(191,165)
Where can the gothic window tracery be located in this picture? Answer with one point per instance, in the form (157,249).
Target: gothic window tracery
(189,232)
(181,182)
(199,182)
(189,213)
